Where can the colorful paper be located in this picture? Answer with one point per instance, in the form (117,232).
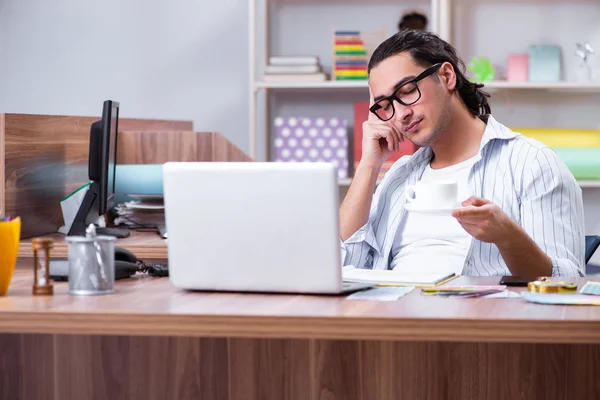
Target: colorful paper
(584,164)
(561,298)
(562,137)
(10,234)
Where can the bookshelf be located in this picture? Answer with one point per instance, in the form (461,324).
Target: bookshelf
(589,184)
(573,87)
(582,184)
(273,24)
(562,104)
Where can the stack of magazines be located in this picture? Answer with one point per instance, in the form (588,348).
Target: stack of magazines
(144,211)
(294,69)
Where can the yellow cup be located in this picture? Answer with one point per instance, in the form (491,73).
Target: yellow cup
(10,234)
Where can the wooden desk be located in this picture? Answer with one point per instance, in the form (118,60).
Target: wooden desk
(145,245)
(152,341)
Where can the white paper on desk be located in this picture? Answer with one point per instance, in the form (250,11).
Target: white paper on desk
(353,274)
(137,205)
(505,294)
(561,298)
(391,293)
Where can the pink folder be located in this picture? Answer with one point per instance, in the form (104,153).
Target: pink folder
(518,67)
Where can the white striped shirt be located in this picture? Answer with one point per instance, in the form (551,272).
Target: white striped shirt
(524,177)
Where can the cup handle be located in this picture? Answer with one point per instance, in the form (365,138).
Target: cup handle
(409,193)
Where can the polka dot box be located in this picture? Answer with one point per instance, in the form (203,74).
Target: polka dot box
(300,139)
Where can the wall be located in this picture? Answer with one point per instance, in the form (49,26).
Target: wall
(177,59)
(188,59)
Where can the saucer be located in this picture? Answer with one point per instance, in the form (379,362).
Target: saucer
(416,208)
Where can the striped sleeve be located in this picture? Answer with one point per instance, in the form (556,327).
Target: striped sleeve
(552,212)
(362,248)
(359,249)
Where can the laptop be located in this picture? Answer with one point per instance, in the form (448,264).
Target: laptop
(266,227)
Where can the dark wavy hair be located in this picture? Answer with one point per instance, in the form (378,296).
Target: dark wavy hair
(427,49)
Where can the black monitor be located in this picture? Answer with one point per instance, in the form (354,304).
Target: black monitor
(99,198)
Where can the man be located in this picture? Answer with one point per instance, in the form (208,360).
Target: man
(523,211)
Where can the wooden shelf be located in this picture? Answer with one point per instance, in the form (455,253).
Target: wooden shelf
(313,85)
(589,184)
(554,86)
(582,184)
(497,85)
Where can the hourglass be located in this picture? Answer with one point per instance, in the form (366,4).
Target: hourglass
(41,266)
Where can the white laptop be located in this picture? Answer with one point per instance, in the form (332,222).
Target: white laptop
(254,227)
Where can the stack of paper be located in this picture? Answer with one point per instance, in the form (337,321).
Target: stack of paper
(144,212)
(591,287)
(387,277)
(561,298)
(294,68)
(381,293)
(465,291)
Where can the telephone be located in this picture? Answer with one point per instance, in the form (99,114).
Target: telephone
(125,263)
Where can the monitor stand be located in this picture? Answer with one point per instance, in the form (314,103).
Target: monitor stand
(88,214)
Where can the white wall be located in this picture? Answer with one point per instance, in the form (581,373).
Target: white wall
(307,28)
(176,59)
(183,59)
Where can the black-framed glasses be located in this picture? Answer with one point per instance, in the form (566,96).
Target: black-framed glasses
(407,94)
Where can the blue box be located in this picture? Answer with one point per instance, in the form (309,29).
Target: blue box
(544,63)
(137,179)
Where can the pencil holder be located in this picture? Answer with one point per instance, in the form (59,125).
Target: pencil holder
(91,263)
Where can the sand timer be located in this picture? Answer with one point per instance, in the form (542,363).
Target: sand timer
(41,266)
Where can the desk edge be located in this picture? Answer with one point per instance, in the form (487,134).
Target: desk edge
(275,327)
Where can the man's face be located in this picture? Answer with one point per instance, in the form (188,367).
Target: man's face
(424,121)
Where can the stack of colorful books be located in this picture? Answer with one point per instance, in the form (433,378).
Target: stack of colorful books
(350,56)
(351,52)
(294,68)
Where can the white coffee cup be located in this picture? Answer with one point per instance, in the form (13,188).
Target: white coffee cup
(433,194)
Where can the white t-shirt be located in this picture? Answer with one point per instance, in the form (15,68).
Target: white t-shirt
(431,244)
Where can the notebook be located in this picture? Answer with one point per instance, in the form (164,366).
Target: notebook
(387,277)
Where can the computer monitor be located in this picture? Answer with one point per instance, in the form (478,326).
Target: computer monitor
(111,131)
(99,198)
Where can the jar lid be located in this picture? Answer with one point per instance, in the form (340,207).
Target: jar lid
(84,239)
